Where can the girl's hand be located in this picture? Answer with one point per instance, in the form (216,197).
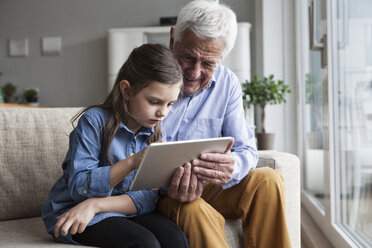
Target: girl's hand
(122,168)
(76,219)
(137,158)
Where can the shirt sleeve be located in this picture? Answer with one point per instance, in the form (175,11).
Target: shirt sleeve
(235,125)
(145,200)
(86,176)
(163,134)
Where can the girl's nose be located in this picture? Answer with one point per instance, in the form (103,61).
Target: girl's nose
(161,111)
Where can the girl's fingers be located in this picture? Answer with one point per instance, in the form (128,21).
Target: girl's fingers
(74,227)
(81,228)
(57,228)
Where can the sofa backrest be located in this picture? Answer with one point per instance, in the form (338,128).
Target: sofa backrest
(33,144)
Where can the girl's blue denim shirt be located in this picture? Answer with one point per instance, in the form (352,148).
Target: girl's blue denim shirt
(86,173)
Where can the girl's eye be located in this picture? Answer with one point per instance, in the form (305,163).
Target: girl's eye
(154,102)
(170,104)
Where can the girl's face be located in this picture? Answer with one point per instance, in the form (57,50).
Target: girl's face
(151,104)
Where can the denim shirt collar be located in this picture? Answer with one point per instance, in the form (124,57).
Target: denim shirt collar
(146,131)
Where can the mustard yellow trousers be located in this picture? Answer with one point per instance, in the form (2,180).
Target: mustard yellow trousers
(258,200)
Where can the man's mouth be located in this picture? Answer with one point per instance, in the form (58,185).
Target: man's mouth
(190,80)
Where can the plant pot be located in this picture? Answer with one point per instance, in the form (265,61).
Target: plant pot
(10,99)
(265,141)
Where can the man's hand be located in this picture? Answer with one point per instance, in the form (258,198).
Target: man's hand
(215,168)
(185,186)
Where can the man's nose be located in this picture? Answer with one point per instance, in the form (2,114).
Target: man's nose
(194,71)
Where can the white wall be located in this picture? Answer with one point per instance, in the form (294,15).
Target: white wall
(274,53)
(78,77)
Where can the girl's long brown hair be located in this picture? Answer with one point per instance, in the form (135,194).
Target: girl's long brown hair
(145,64)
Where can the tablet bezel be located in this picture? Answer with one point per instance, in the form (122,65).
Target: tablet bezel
(161,160)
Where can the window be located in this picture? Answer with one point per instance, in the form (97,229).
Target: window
(337,118)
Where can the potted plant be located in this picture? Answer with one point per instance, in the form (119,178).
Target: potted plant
(260,92)
(9,90)
(31,96)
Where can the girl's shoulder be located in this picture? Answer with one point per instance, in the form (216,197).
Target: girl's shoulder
(96,114)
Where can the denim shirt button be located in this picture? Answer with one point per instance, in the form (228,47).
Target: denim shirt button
(125,189)
(85,191)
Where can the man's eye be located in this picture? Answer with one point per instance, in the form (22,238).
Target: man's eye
(188,59)
(209,64)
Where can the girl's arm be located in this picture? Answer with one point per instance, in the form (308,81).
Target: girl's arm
(79,216)
(122,168)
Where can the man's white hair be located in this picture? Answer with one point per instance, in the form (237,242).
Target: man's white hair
(208,20)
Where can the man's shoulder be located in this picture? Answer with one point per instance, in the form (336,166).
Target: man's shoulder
(222,75)
(222,72)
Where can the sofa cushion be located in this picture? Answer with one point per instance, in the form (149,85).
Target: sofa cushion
(32,147)
(28,233)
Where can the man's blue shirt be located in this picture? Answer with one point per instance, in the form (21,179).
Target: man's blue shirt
(86,173)
(215,111)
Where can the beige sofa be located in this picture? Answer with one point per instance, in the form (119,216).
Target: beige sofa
(33,143)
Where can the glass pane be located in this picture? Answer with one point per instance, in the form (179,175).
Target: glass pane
(354,127)
(313,121)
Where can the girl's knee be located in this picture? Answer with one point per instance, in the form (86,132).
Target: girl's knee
(176,238)
(147,240)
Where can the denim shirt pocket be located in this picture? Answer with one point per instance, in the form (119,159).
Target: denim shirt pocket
(208,128)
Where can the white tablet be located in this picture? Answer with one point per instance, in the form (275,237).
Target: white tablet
(161,159)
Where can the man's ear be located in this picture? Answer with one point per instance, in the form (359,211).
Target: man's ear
(125,89)
(171,39)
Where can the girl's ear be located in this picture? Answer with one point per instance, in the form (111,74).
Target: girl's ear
(125,89)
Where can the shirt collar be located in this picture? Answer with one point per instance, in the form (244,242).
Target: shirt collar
(147,131)
(210,84)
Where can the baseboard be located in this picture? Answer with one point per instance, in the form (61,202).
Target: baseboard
(311,236)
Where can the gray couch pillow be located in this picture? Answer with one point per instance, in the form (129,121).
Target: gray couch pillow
(33,143)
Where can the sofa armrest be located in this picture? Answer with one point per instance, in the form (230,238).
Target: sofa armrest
(289,165)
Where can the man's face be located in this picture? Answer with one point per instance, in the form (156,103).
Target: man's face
(198,59)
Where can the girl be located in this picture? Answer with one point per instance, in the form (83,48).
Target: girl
(90,204)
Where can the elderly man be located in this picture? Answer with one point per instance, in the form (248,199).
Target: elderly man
(215,186)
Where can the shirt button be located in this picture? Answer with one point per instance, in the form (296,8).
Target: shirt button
(186,120)
(125,189)
(85,191)
(131,154)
